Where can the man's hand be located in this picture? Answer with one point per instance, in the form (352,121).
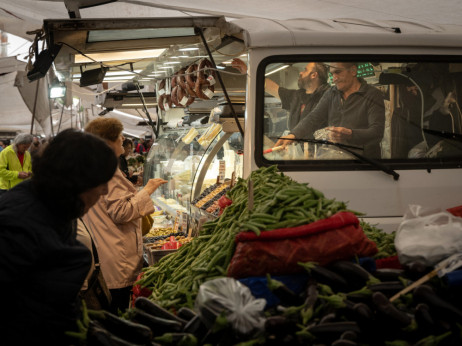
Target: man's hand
(339,134)
(285,141)
(239,65)
(24,175)
(450,99)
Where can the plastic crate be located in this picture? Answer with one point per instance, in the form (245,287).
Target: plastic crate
(154,256)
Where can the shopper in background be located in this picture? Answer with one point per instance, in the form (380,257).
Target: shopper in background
(15,162)
(34,149)
(123,164)
(140,148)
(116,220)
(2,145)
(43,266)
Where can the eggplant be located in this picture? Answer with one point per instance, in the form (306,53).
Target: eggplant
(158,325)
(279,325)
(349,335)
(127,330)
(195,326)
(443,308)
(327,318)
(416,269)
(311,294)
(286,296)
(186,314)
(332,330)
(392,315)
(389,274)
(325,276)
(344,342)
(356,276)
(97,335)
(154,309)
(388,288)
(184,339)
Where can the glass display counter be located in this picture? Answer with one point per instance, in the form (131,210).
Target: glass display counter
(192,160)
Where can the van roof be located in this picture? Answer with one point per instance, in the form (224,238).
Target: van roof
(259,32)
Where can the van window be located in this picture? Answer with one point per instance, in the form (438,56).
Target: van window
(343,115)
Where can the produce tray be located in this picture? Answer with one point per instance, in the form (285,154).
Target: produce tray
(154,256)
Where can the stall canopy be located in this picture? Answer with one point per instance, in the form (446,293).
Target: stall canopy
(24,17)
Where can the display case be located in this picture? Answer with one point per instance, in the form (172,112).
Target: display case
(194,160)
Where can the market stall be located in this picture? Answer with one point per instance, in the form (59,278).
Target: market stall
(283,264)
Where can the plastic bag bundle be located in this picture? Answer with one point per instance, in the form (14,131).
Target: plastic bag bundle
(428,235)
(229,296)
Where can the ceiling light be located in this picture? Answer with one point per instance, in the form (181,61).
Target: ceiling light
(137,34)
(120,78)
(121,55)
(188,49)
(128,115)
(171,62)
(276,70)
(57,91)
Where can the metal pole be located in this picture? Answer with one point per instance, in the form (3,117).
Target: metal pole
(35,107)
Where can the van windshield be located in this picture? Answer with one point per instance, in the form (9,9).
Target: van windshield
(401,113)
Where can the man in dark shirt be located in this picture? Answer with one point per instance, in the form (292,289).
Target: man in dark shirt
(352,111)
(312,83)
(123,164)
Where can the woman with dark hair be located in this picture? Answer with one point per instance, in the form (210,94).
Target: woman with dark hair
(116,220)
(43,265)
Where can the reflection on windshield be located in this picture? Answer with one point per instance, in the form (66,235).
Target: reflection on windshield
(382,109)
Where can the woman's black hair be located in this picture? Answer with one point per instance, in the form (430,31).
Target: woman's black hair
(72,163)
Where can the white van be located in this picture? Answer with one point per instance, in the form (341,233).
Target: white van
(421,146)
(416,70)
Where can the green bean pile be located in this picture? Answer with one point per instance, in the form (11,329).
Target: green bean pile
(278,202)
(385,241)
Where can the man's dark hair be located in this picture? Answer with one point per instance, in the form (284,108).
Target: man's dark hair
(72,163)
(322,71)
(126,142)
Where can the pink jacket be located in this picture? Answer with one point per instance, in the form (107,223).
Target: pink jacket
(116,224)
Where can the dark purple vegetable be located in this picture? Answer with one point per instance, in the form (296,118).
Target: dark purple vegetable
(152,308)
(388,288)
(126,330)
(389,274)
(445,310)
(386,309)
(334,328)
(353,273)
(349,335)
(344,342)
(327,318)
(311,294)
(327,277)
(286,296)
(424,319)
(279,325)
(196,326)
(97,335)
(186,313)
(158,325)
(416,269)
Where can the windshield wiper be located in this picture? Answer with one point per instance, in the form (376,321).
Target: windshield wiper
(349,149)
(444,134)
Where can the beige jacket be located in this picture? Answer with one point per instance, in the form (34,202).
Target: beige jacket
(115,221)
